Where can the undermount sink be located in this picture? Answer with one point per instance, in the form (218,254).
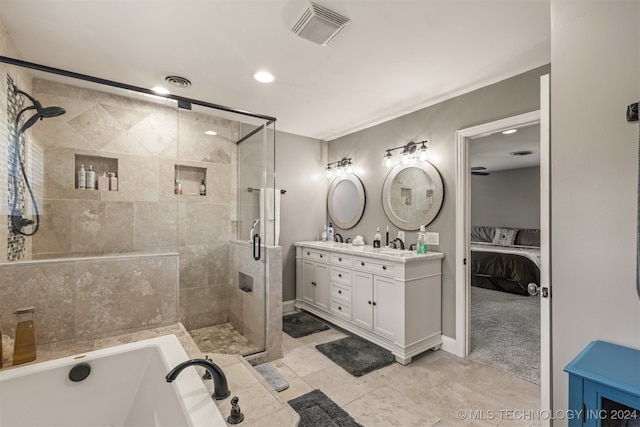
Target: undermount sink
(395,252)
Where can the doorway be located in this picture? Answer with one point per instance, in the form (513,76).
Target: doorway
(463,231)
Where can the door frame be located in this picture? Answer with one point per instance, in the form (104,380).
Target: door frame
(463,231)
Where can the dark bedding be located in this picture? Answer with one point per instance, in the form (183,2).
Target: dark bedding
(503,272)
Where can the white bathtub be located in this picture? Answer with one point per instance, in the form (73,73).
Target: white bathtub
(126,387)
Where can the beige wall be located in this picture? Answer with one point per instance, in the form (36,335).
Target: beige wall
(594,176)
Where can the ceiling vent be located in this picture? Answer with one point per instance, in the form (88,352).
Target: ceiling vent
(177,81)
(319,24)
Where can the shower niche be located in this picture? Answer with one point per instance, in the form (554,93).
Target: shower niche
(105,167)
(188,179)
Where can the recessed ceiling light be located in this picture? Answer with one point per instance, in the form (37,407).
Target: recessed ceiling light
(264,77)
(210,132)
(509,131)
(160,90)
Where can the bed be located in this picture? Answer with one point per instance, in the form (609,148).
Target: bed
(505,259)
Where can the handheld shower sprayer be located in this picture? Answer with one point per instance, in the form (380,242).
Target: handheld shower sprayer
(253,228)
(17,220)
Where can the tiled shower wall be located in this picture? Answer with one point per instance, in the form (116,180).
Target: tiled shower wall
(144,216)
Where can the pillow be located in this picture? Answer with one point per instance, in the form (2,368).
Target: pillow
(481,233)
(528,237)
(504,236)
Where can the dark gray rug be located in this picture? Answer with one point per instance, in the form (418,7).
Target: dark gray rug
(302,324)
(505,332)
(317,410)
(357,355)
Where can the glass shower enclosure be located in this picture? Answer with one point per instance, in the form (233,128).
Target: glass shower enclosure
(134,209)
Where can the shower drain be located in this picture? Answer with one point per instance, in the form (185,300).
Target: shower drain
(177,81)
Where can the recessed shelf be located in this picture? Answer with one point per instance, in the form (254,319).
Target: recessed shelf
(101,165)
(190,178)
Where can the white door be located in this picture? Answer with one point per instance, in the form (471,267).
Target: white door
(363,300)
(322,286)
(308,282)
(386,308)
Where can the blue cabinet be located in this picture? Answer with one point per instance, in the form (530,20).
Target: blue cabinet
(604,386)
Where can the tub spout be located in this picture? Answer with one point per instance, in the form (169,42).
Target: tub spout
(221,389)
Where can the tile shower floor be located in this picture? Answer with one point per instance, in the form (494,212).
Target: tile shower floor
(222,339)
(436,389)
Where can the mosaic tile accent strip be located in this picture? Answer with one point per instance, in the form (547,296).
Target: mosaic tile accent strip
(15,242)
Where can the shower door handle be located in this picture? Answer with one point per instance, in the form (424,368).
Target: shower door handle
(256,244)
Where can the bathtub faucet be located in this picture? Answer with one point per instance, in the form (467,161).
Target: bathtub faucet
(221,389)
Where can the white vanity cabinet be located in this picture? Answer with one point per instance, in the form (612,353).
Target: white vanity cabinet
(315,279)
(392,298)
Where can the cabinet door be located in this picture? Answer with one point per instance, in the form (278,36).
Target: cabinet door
(387,310)
(308,282)
(362,299)
(323,289)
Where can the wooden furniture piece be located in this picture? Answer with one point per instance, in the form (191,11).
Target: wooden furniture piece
(604,386)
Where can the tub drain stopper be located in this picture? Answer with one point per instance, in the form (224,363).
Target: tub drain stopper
(79,372)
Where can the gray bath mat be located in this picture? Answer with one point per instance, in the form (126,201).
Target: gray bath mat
(301,324)
(317,410)
(357,355)
(272,376)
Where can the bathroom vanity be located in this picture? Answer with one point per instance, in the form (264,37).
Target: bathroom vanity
(390,297)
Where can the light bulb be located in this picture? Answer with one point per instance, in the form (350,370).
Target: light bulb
(329,172)
(349,168)
(405,157)
(423,153)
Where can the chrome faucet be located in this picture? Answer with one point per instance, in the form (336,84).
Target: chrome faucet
(338,238)
(397,239)
(220,386)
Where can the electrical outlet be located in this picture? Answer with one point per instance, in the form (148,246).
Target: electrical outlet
(401,235)
(433,238)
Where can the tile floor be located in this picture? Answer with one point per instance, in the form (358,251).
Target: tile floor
(436,389)
(222,339)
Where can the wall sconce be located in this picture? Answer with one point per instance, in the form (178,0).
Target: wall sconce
(342,166)
(411,151)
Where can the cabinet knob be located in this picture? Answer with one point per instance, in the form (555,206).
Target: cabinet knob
(339,308)
(362,263)
(339,292)
(374,303)
(320,255)
(313,283)
(339,275)
(369,302)
(340,259)
(308,253)
(384,267)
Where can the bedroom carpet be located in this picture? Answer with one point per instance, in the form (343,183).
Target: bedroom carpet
(317,410)
(357,355)
(505,332)
(301,324)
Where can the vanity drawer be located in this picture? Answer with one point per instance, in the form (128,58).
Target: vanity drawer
(340,275)
(342,259)
(340,308)
(374,266)
(315,255)
(338,291)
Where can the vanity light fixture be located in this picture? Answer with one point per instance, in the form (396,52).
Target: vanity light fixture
(342,166)
(411,151)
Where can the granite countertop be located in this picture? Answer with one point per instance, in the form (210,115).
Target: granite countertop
(387,254)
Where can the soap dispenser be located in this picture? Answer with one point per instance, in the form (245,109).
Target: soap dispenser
(24,347)
(376,238)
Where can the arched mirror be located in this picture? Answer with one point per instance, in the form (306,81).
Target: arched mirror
(346,201)
(412,195)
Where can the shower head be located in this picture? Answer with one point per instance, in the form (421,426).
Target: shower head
(41,112)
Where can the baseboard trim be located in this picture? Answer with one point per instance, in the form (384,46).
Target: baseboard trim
(449,345)
(288,307)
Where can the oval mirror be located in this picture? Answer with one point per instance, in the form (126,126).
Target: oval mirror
(346,201)
(412,195)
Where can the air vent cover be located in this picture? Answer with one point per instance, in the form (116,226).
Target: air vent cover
(319,24)
(177,81)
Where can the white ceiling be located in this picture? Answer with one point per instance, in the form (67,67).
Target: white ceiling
(493,152)
(395,57)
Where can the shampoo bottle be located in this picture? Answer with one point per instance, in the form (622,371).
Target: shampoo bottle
(203,188)
(24,347)
(324,233)
(113,181)
(103,182)
(376,238)
(330,234)
(91,178)
(82,178)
